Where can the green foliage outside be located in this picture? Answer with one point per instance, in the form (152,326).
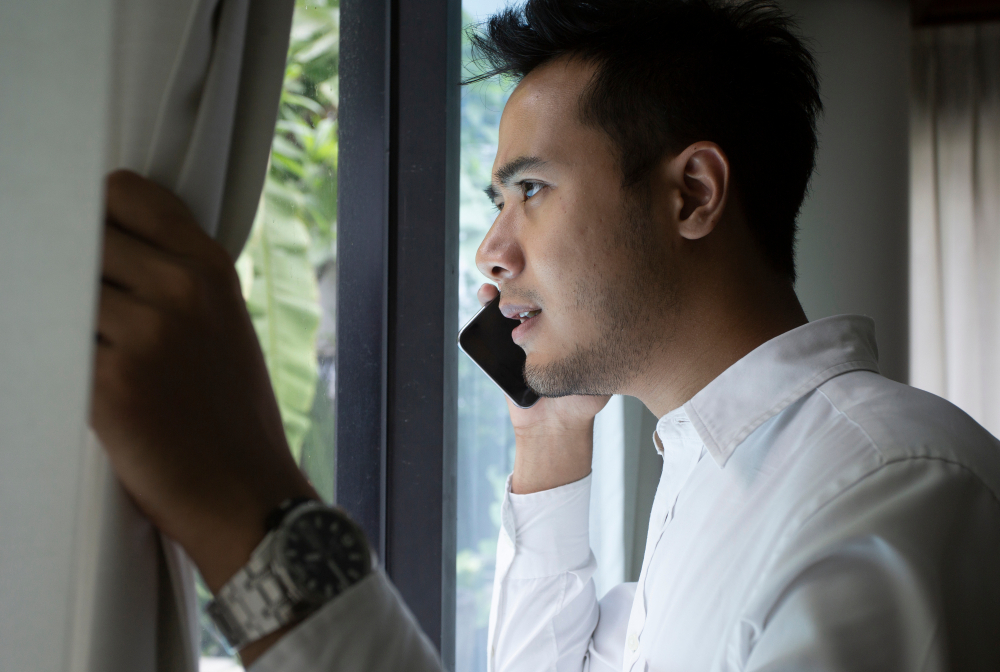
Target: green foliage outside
(291,245)
(294,234)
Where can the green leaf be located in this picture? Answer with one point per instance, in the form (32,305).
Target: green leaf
(280,146)
(302,101)
(292,166)
(283,303)
(319,47)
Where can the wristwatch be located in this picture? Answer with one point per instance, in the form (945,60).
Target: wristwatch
(310,555)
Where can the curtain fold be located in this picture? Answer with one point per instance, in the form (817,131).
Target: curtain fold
(194,101)
(955,217)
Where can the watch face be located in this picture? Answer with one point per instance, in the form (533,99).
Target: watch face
(324,553)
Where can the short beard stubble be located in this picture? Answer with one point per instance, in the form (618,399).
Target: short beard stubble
(633,304)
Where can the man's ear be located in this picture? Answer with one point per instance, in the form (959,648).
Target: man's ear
(699,176)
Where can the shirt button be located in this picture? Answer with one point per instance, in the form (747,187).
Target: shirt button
(633,642)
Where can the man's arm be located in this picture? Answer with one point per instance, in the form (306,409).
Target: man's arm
(183,405)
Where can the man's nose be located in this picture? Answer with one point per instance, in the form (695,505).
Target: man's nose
(500,257)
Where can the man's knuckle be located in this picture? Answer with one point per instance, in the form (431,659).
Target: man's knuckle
(187,286)
(181,288)
(155,333)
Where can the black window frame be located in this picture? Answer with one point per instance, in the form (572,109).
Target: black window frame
(397,255)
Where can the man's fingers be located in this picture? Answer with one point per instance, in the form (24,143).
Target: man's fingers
(149,211)
(487,293)
(132,263)
(121,317)
(151,275)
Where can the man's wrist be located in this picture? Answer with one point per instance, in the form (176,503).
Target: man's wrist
(222,545)
(310,555)
(546,459)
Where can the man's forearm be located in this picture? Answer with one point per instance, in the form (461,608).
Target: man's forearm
(547,458)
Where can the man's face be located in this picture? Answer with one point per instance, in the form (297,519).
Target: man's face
(577,258)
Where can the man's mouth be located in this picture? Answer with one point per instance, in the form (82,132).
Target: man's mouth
(522,312)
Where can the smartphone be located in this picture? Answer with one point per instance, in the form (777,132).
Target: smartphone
(487,341)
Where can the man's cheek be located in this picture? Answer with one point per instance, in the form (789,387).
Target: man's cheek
(560,336)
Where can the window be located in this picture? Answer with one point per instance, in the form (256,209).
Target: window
(288,269)
(485,435)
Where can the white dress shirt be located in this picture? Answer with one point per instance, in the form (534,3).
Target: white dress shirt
(811,515)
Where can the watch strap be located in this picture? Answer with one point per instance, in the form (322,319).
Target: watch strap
(254,602)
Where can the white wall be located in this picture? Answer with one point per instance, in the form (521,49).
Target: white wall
(54,61)
(852,253)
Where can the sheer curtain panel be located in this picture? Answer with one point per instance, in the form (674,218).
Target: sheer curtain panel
(955,217)
(194,95)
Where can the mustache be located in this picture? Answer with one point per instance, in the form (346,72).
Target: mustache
(521,294)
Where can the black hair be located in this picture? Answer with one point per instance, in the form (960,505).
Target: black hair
(673,72)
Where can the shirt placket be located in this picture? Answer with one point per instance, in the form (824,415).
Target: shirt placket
(681,449)
(505,557)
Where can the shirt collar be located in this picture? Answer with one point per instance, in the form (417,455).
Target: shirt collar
(770,378)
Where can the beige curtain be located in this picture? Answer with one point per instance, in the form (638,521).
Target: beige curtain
(195,87)
(955,217)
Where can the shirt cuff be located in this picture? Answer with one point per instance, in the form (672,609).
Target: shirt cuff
(365,629)
(550,530)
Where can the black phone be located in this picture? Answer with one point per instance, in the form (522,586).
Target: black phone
(487,341)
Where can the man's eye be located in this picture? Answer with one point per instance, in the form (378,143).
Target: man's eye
(530,189)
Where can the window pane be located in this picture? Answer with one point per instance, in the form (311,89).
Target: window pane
(288,269)
(485,436)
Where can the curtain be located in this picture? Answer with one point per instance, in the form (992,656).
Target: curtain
(194,97)
(955,217)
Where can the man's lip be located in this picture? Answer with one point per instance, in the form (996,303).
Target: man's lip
(521,330)
(514,310)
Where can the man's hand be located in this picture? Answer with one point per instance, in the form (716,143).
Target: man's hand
(554,438)
(182,400)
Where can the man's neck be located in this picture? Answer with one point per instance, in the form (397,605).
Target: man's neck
(719,329)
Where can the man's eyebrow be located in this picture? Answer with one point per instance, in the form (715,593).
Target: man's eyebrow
(508,170)
(491,193)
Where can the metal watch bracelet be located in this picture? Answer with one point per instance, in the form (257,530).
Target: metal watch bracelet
(254,602)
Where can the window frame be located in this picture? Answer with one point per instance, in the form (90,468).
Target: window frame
(397,251)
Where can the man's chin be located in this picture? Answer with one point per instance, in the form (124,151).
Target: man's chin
(582,374)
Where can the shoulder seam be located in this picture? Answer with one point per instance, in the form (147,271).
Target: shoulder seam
(886,462)
(851,420)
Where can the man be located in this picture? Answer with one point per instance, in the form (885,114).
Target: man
(653,157)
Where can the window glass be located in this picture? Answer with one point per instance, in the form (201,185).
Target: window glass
(288,269)
(485,436)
